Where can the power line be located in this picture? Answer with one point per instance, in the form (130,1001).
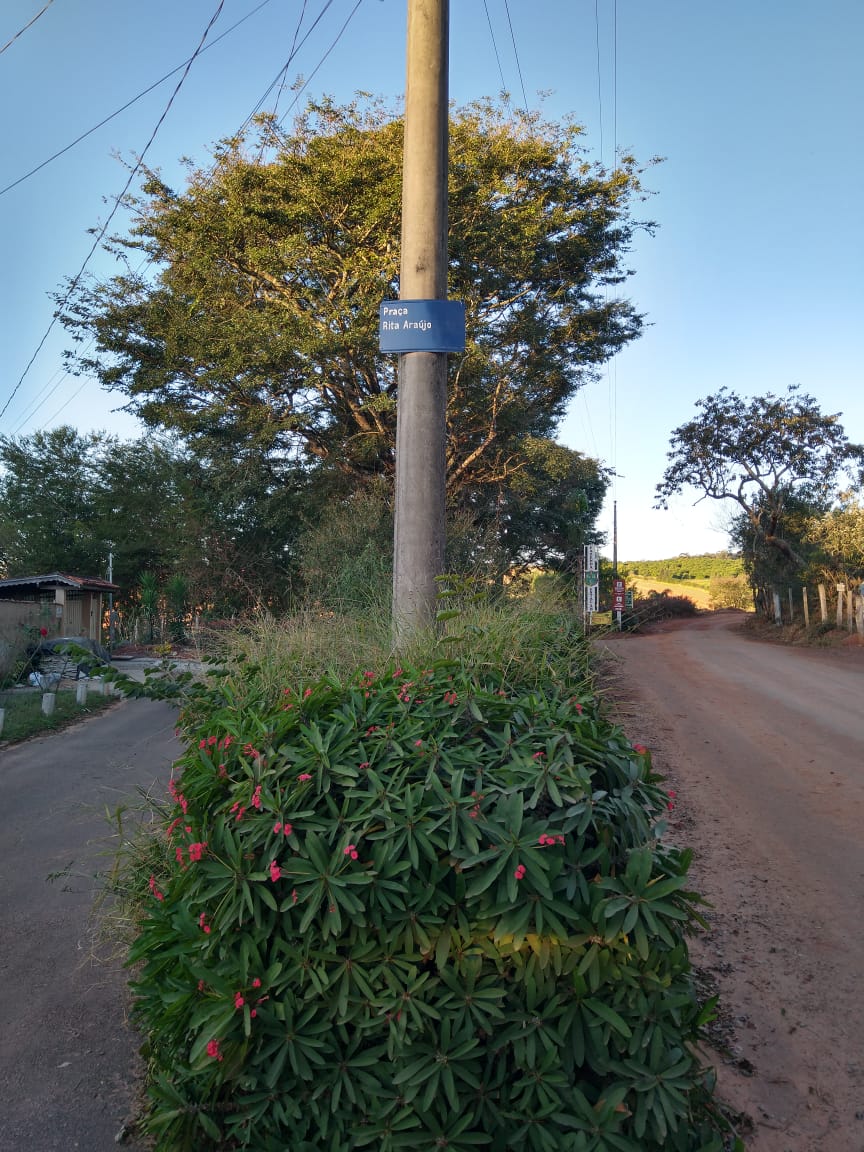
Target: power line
(129,103)
(495,47)
(516,54)
(26,26)
(295,48)
(320,63)
(117,202)
(290,57)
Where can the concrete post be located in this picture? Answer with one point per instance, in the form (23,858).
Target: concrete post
(419,530)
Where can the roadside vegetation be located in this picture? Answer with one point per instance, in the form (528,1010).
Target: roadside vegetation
(421,903)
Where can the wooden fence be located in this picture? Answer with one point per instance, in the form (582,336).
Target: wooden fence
(835,605)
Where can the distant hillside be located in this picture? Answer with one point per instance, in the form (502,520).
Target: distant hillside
(685,568)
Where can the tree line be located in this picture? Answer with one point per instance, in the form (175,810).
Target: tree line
(241,328)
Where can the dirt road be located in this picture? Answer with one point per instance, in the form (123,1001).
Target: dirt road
(764,745)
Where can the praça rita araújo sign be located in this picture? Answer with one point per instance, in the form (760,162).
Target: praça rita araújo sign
(421,326)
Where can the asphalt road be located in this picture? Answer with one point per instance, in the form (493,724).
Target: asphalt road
(67,1055)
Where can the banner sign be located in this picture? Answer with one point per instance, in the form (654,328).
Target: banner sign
(421,326)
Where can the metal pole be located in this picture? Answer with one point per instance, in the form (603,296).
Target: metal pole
(419,531)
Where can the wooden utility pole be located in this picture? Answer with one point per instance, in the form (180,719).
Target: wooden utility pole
(419,532)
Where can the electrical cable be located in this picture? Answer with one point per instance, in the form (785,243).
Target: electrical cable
(26,26)
(599,73)
(516,54)
(295,48)
(129,103)
(320,63)
(290,57)
(117,202)
(495,48)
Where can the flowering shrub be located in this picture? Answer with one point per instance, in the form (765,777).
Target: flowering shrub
(426,908)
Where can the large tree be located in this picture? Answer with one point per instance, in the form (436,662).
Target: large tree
(764,454)
(253,321)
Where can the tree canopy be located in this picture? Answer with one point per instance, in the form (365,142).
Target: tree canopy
(253,325)
(767,454)
(67,500)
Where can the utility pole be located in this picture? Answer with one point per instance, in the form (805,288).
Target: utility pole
(419,530)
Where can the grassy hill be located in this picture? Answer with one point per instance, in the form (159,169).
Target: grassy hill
(696,571)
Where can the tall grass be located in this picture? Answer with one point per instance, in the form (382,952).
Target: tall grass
(525,639)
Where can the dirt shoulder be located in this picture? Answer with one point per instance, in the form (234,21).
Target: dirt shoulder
(764,745)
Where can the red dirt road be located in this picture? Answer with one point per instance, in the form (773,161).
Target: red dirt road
(765,746)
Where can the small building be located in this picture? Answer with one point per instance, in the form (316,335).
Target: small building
(64,605)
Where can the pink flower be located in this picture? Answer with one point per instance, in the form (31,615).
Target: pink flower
(365,764)
(252,751)
(304,776)
(293,895)
(256,797)
(159,895)
(520,872)
(549,841)
(275,871)
(213,1049)
(277,827)
(537,756)
(197,850)
(256,983)
(418,743)
(202,923)
(178,856)
(238,1000)
(239,809)
(351,851)
(307,693)
(640,749)
(200,985)
(371,729)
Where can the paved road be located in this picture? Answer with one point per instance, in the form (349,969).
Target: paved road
(765,744)
(67,1056)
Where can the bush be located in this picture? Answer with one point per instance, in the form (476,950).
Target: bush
(419,907)
(731,592)
(658,606)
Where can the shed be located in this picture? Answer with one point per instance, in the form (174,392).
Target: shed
(67,605)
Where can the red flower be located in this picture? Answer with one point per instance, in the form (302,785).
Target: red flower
(275,871)
(351,851)
(520,872)
(213,1049)
(304,776)
(43,632)
(256,983)
(640,749)
(203,925)
(159,895)
(238,1000)
(256,797)
(196,850)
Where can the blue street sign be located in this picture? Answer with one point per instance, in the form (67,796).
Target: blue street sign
(421,326)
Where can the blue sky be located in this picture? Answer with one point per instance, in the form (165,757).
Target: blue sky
(753,279)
